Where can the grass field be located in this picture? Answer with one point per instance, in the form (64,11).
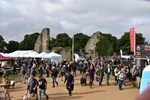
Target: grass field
(17,78)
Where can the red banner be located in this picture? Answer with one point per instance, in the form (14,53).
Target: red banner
(132,40)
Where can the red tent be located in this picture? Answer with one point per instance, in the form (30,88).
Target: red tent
(2,58)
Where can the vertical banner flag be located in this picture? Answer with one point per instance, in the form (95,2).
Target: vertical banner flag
(132,39)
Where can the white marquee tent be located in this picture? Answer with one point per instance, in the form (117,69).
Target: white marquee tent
(18,53)
(57,58)
(54,57)
(41,55)
(31,54)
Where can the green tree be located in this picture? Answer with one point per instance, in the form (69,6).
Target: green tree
(13,46)
(112,40)
(124,42)
(28,42)
(62,40)
(2,44)
(1,39)
(140,39)
(80,40)
(104,47)
(52,43)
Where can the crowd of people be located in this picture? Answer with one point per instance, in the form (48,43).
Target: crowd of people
(90,67)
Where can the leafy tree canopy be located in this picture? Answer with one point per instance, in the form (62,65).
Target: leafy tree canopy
(107,44)
(1,38)
(13,46)
(124,42)
(62,40)
(28,42)
(2,44)
(80,40)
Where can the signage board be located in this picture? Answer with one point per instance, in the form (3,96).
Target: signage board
(142,51)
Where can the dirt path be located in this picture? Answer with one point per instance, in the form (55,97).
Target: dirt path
(105,92)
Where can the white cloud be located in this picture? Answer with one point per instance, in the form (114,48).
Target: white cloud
(68,25)
(20,17)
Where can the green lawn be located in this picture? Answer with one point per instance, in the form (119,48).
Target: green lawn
(17,78)
(13,77)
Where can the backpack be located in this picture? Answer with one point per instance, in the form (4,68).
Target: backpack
(56,73)
(121,75)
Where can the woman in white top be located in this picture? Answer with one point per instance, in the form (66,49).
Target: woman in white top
(116,70)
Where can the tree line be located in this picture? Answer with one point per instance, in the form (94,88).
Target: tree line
(108,44)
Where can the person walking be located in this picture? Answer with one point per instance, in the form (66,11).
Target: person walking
(138,77)
(128,72)
(107,72)
(91,75)
(73,68)
(33,71)
(69,80)
(80,67)
(6,85)
(63,72)
(54,76)
(22,73)
(100,74)
(121,76)
(116,75)
(42,83)
(33,86)
(28,83)
(125,72)
(40,69)
(47,70)
(133,73)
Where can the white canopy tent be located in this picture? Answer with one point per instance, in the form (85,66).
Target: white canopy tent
(6,55)
(18,53)
(41,55)
(1,53)
(31,54)
(57,58)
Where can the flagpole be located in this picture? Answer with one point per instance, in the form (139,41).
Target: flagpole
(73,48)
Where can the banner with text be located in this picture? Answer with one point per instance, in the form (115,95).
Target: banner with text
(142,51)
(132,40)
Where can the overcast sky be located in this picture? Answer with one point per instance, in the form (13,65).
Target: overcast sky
(21,17)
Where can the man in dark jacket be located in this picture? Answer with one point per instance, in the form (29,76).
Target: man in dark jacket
(107,72)
(73,68)
(54,76)
(69,82)
(91,75)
